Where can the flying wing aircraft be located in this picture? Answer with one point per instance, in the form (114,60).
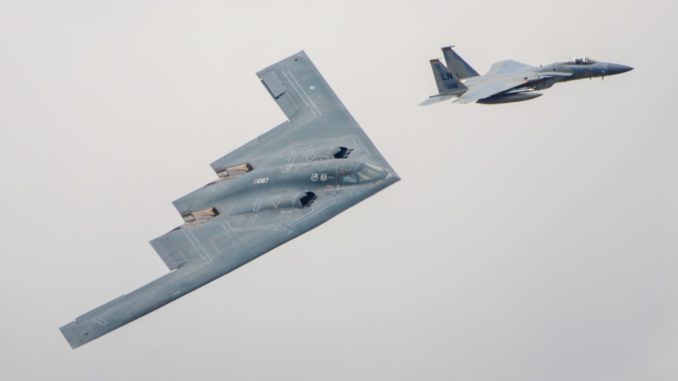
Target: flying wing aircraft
(508,81)
(274,188)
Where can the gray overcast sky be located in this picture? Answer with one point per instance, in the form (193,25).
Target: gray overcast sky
(529,241)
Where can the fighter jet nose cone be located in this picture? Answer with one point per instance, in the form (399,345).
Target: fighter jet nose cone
(618,69)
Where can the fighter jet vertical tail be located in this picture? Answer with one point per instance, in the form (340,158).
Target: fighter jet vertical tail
(457,65)
(448,83)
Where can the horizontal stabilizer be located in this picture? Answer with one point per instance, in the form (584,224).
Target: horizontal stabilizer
(436,99)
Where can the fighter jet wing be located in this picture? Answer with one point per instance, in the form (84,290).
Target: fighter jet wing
(489,88)
(502,76)
(508,67)
(274,188)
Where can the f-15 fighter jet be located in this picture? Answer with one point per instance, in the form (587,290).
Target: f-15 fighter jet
(274,188)
(508,81)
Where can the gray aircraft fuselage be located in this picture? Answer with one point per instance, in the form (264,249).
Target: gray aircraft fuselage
(269,199)
(274,188)
(509,81)
(279,186)
(524,92)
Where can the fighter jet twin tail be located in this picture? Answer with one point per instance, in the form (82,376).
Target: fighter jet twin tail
(508,81)
(297,176)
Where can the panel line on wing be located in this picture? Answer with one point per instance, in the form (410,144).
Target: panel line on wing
(302,94)
(195,242)
(200,252)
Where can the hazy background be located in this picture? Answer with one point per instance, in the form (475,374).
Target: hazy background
(528,241)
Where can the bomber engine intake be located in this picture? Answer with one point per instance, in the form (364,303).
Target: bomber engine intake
(318,154)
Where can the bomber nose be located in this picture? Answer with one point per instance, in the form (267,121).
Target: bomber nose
(617,69)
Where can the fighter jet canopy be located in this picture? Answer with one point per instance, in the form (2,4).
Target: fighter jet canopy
(581,61)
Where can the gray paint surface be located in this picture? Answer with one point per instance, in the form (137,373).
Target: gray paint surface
(274,188)
(534,241)
(509,81)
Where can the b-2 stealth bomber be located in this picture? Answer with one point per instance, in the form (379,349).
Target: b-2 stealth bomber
(274,188)
(508,81)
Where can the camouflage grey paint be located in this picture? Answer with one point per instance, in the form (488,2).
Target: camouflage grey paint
(508,81)
(274,188)
(456,64)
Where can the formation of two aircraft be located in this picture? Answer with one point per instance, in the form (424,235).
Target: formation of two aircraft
(295,177)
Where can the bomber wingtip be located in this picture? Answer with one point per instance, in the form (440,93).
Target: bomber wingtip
(293,57)
(71,335)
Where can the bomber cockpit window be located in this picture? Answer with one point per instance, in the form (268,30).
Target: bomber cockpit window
(369,172)
(366,173)
(349,178)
